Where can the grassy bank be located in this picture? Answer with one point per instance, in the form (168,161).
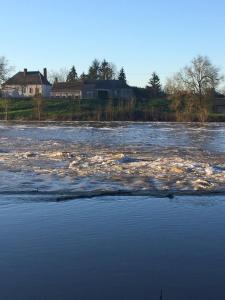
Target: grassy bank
(83,110)
(90,110)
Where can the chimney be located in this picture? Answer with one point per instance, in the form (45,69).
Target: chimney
(45,73)
(25,72)
(56,80)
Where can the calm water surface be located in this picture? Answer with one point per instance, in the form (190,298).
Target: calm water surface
(113,248)
(107,247)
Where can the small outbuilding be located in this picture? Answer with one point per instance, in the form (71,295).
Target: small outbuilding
(219,105)
(92,89)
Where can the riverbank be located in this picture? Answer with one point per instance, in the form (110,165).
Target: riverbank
(90,110)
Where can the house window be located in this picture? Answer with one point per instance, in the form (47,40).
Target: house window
(31,91)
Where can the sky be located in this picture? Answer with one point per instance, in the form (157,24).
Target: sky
(143,36)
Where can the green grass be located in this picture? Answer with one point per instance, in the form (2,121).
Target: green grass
(91,110)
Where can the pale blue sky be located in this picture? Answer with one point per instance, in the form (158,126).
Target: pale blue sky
(143,36)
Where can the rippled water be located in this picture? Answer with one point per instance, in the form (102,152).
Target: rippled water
(73,157)
(144,215)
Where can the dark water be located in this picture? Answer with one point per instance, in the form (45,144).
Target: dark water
(111,247)
(120,248)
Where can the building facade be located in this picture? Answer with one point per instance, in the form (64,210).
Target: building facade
(27,84)
(219,105)
(92,89)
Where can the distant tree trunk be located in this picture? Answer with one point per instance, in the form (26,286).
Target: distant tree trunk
(6,110)
(5,106)
(38,102)
(39,110)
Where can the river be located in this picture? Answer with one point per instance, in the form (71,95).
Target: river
(112,211)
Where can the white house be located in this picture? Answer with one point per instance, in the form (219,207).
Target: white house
(27,84)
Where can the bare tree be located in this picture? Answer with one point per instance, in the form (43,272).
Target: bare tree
(191,90)
(60,75)
(200,77)
(5,69)
(222,90)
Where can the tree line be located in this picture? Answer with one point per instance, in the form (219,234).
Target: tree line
(190,92)
(107,71)
(98,70)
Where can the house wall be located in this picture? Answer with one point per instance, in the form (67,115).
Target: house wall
(219,105)
(126,94)
(46,91)
(220,109)
(14,91)
(33,90)
(67,94)
(17,91)
(91,93)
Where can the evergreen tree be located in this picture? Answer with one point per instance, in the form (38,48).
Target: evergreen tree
(94,69)
(154,86)
(104,69)
(84,76)
(122,76)
(107,70)
(72,76)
